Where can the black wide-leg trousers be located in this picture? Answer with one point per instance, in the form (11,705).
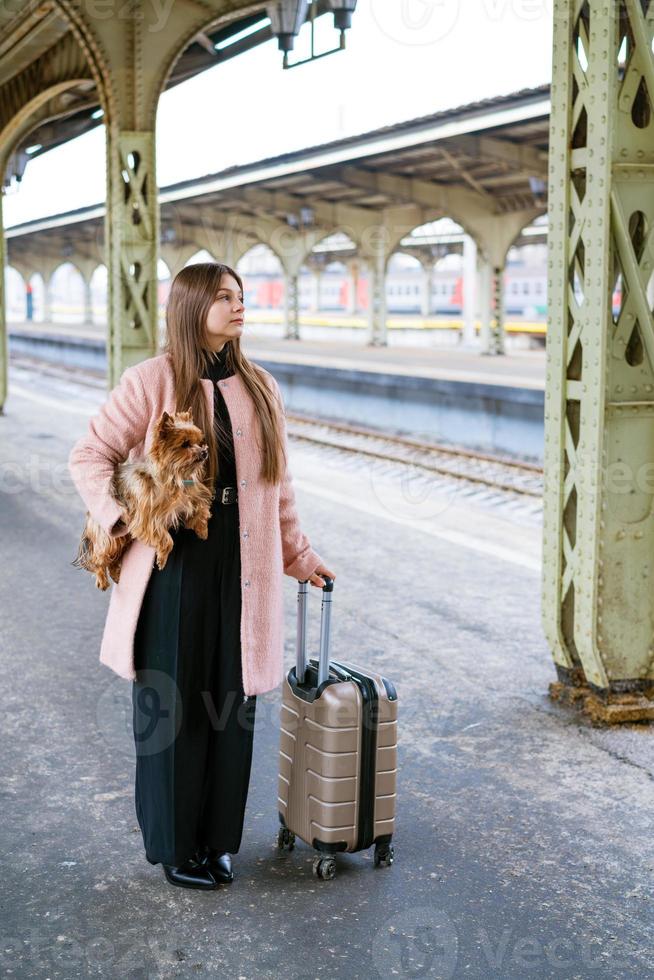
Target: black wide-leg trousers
(193,724)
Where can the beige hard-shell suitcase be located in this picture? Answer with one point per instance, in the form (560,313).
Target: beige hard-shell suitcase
(337,752)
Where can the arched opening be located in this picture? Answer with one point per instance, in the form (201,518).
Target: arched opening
(15,296)
(263,289)
(525,286)
(431,283)
(202,255)
(66,294)
(404,284)
(63,297)
(327,285)
(37,285)
(99,285)
(164,280)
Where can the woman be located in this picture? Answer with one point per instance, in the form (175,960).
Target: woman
(203,636)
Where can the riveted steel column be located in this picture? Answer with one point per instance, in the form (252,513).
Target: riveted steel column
(496,345)
(598,542)
(317,283)
(291,306)
(47,296)
(132,236)
(468,336)
(88,302)
(427,284)
(353,288)
(484,274)
(377,330)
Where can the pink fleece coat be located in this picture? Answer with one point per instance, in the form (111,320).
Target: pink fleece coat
(274,545)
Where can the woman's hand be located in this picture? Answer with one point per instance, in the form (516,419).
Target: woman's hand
(315,578)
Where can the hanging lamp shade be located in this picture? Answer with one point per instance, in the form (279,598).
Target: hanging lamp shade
(286,19)
(343,10)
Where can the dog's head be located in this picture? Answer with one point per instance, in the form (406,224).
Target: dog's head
(178,446)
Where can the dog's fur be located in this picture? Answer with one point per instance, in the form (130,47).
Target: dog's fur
(154,498)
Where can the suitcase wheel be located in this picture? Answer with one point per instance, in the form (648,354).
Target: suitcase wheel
(324,867)
(285,839)
(383,855)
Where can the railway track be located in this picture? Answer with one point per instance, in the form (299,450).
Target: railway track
(497,473)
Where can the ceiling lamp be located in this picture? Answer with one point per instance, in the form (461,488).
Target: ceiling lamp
(286,19)
(343,10)
(288,16)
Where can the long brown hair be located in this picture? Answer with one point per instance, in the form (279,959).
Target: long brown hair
(192,293)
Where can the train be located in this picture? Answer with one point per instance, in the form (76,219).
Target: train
(525,294)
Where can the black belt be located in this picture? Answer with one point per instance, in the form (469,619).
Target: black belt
(225,495)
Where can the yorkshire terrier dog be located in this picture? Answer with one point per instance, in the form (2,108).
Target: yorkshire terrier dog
(155,493)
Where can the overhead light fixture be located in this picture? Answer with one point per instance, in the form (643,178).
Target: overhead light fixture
(288,16)
(286,19)
(343,10)
(16,167)
(538,189)
(306,217)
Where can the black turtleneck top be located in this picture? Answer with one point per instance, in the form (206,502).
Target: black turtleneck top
(218,370)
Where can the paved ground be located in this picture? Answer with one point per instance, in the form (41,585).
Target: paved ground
(523,845)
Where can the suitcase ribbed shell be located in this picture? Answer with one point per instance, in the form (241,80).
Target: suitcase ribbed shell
(320,763)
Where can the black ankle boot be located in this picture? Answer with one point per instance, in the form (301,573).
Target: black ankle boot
(218,863)
(190,874)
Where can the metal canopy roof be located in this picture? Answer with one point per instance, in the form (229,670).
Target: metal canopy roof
(28,31)
(495,148)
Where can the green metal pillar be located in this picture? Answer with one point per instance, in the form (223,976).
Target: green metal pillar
(377,328)
(484,280)
(598,539)
(497,311)
(131,241)
(291,306)
(353,288)
(426,286)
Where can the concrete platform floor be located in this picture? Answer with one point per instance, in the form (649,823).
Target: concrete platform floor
(519,368)
(524,843)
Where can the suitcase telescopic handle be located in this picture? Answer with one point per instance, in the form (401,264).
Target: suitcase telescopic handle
(325,621)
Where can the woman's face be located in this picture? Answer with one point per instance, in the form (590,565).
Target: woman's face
(226,314)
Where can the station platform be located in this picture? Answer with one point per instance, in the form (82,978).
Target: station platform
(523,843)
(436,392)
(524,369)
(519,368)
